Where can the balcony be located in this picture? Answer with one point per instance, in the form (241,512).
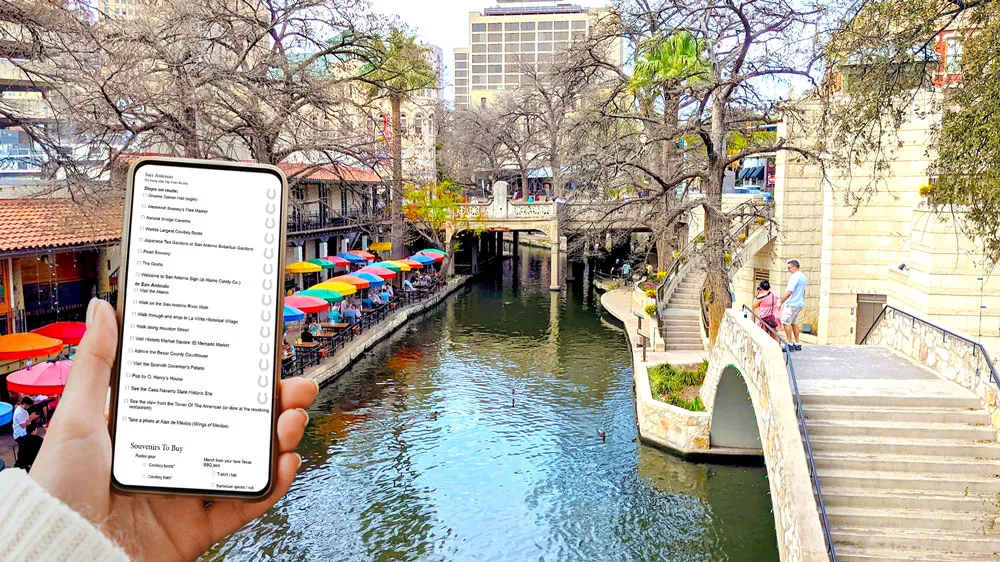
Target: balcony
(315,217)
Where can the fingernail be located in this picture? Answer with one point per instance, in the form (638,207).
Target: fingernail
(300,460)
(91,309)
(304,413)
(317,385)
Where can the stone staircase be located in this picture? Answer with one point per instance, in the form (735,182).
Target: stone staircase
(909,467)
(680,321)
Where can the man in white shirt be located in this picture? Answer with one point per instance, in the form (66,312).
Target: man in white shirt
(22,418)
(791,305)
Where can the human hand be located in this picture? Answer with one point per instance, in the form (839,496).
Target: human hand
(74,463)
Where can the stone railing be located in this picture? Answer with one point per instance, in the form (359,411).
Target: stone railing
(953,356)
(759,361)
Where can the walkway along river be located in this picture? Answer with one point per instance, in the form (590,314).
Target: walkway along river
(472,434)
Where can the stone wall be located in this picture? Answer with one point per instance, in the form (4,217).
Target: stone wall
(953,358)
(741,344)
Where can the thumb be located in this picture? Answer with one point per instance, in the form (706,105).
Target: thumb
(87,387)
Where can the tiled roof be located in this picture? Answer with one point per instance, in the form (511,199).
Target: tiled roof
(330,172)
(54,222)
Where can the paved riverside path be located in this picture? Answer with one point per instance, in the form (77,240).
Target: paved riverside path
(908,463)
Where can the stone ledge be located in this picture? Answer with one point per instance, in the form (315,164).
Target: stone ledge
(330,370)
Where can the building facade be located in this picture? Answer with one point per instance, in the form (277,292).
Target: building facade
(505,40)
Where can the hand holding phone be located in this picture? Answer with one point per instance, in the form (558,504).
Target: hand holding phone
(74,463)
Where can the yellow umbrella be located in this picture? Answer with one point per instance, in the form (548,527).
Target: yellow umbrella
(401,265)
(302,267)
(342,288)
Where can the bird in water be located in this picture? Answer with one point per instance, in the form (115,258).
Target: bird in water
(434,415)
(603,435)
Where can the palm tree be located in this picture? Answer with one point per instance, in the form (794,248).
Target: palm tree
(397,68)
(666,67)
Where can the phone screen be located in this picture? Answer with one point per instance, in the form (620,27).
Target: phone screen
(200,317)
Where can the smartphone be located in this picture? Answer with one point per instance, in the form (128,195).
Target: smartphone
(194,389)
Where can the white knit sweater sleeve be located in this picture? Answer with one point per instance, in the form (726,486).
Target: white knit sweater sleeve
(34,525)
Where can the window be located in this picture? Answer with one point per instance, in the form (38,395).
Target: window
(461,65)
(496,48)
(545,25)
(953,56)
(403,129)
(527,47)
(512,78)
(418,124)
(495,37)
(579,35)
(513,68)
(461,82)
(479,79)
(496,79)
(511,26)
(528,26)
(479,69)
(478,59)
(561,25)
(496,58)
(461,74)
(430,125)
(545,58)
(479,48)
(478,27)
(496,27)
(496,68)
(543,47)
(478,37)
(511,36)
(482,105)
(527,37)
(561,35)
(544,35)
(562,46)
(510,47)
(579,24)
(462,56)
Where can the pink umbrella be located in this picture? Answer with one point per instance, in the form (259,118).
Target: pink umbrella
(379,271)
(44,378)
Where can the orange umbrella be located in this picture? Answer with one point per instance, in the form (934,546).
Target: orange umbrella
(352,280)
(15,347)
(367,255)
(412,263)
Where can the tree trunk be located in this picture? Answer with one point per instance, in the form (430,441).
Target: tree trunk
(716,224)
(667,165)
(397,227)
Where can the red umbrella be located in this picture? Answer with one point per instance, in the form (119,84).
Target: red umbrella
(435,257)
(15,347)
(352,280)
(339,262)
(367,255)
(379,271)
(69,332)
(414,264)
(44,378)
(309,305)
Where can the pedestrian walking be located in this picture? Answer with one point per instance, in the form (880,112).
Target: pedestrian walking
(765,306)
(791,304)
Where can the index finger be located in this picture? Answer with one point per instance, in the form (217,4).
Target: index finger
(297,392)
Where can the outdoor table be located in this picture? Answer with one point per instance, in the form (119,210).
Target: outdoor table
(309,352)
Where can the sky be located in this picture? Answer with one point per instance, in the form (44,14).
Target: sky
(445,23)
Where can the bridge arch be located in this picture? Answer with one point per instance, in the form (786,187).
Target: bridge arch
(746,363)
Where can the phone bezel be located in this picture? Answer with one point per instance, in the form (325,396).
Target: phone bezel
(279,300)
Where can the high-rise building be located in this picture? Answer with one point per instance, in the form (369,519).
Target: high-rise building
(505,40)
(118,8)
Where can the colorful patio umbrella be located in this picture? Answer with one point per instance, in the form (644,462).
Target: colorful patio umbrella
(44,378)
(378,271)
(27,346)
(351,280)
(302,267)
(414,264)
(424,259)
(375,280)
(367,255)
(325,294)
(292,314)
(6,413)
(325,264)
(387,265)
(353,258)
(337,261)
(433,251)
(69,332)
(309,305)
(402,266)
(345,289)
(435,257)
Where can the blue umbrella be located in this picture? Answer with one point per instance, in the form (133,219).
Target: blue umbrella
(374,280)
(353,258)
(6,413)
(422,259)
(293,314)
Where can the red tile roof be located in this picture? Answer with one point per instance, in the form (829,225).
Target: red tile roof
(329,172)
(54,222)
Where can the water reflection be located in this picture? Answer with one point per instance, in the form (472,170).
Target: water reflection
(472,435)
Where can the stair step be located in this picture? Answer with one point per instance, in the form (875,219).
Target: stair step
(831,412)
(981,521)
(905,499)
(684,347)
(883,401)
(683,306)
(971,483)
(677,339)
(909,446)
(889,539)
(906,463)
(928,430)
(855,554)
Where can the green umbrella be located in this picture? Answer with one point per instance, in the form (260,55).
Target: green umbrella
(433,251)
(389,266)
(322,263)
(327,295)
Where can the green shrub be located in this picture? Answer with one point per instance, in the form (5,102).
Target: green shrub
(690,378)
(663,380)
(651,310)
(651,293)
(666,382)
(695,405)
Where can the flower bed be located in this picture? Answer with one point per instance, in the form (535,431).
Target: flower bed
(678,386)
